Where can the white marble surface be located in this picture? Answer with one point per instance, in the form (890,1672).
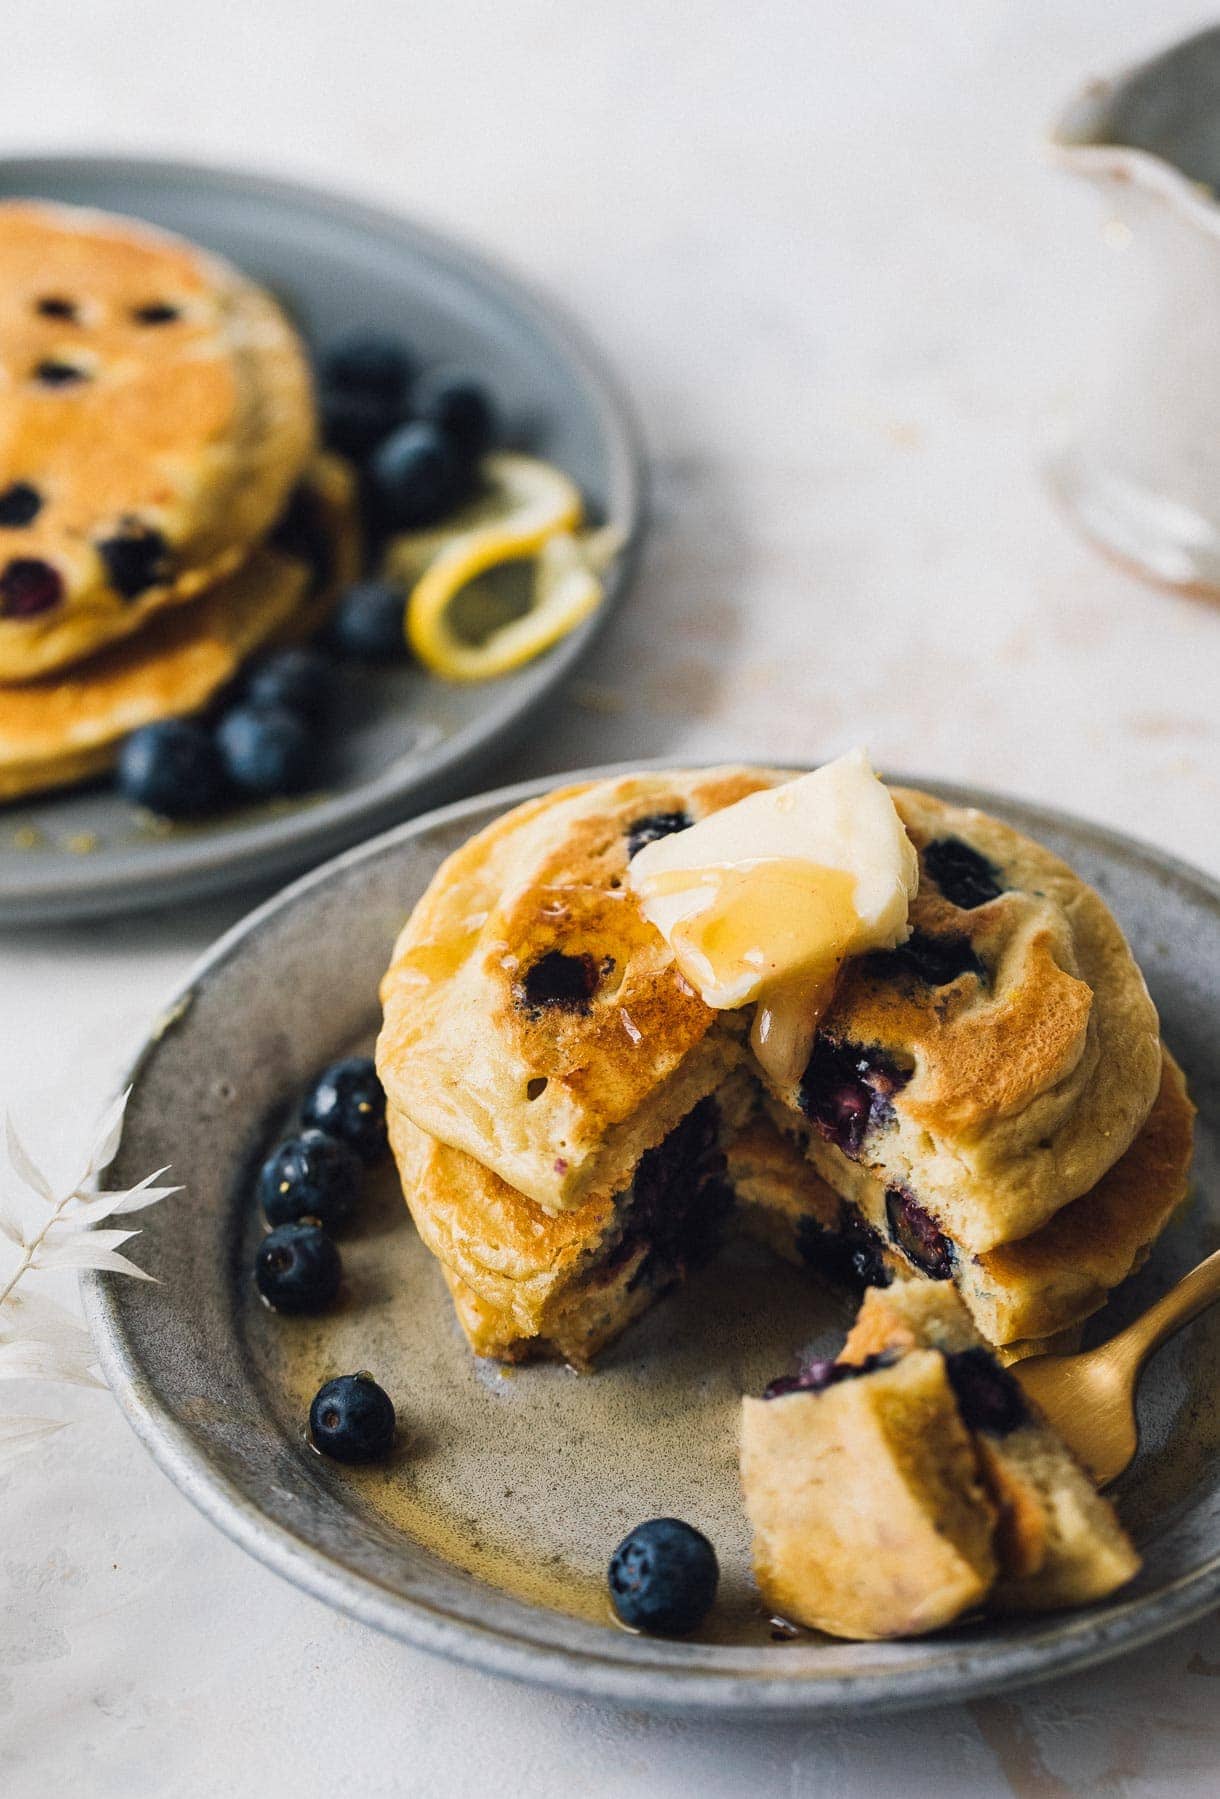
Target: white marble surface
(848,297)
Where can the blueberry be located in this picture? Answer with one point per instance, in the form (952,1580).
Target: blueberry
(556,979)
(266,750)
(347,1101)
(352,1419)
(173,768)
(917,1234)
(28,586)
(368,622)
(417,476)
(367,362)
(54,372)
(137,557)
(310,1176)
(300,680)
(460,408)
(20,504)
(654,826)
(297,1268)
(933,960)
(663,1577)
(988,1396)
(823,1371)
(851,1253)
(354,422)
(846,1090)
(155,312)
(964,875)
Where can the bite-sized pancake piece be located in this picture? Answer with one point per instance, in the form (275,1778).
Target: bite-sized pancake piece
(156,410)
(1059,1542)
(910,1482)
(1021,1292)
(530,1283)
(997,1063)
(66,728)
(532,1017)
(867,1502)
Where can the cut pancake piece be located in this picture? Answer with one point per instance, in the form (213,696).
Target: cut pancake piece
(910,1482)
(527,1283)
(1031,1289)
(1059,1542)
(867,1501)
(66,728)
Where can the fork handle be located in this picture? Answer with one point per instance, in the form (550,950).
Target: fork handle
(1192,1295)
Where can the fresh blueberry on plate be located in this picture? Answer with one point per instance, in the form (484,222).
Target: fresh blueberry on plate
(173,768)
(368,622)
(369,362)
(354,423)
(417,476)
(460,408)
(299,679)
(310,1176)
(663,1577)
(347,1101)
(297,1268)
(352,1419)
(266,750)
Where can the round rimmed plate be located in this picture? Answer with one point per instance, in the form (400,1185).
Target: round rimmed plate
(404,740)
(486,1539)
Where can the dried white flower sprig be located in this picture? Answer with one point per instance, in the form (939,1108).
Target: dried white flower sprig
(40,1339)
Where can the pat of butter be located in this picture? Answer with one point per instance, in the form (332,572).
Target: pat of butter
(764,900)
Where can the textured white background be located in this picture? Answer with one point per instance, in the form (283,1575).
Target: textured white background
(820,244)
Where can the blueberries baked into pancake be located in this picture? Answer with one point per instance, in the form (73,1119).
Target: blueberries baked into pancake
(165,413)
(984,1106)
(908,1483)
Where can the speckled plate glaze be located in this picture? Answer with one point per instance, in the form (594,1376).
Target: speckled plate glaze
(403,740)
(487,1538)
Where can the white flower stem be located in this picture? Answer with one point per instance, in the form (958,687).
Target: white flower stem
(31,1249)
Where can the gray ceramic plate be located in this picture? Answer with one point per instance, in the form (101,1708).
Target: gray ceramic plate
(405,740)
(487,1539)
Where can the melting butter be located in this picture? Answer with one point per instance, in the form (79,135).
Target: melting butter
(763,901)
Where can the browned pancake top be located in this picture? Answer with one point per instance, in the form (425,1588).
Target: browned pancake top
(155,410)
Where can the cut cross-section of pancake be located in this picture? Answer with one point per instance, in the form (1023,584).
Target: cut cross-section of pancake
(529,1283)
(909,1483)
(1018,1294)
(1059,1542)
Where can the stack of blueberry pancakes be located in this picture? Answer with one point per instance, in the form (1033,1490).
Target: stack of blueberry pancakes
(987,1103)
(164,511)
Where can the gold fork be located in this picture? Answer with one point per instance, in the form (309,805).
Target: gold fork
(1090,1398)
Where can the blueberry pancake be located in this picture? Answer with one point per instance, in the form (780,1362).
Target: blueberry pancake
(783,1203)
(68,727)
(533,1018)
(995,1065)
(156,412)
(910,1482)
(528,1283)
(988,1071)
(1019,1294)
(1059,1542)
